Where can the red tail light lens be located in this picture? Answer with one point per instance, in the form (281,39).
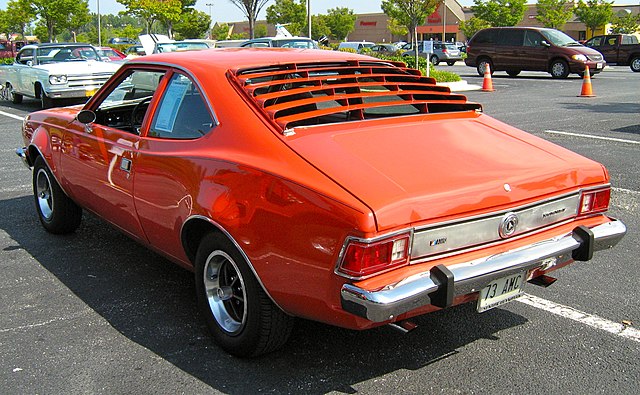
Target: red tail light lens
(595,201)
(362,259)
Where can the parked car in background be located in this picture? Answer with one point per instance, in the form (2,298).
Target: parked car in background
(229,43)
(461,46)
(9,49)
(386,49)
(357,46)
(55,71)
(442,52)
(293,183)
(186,45)
(122,40)
(514,49)
(135,51)
(623,49)
(110,53)
(281,42)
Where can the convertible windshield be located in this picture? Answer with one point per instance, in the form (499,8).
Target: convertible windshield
(559,39)
(55,54)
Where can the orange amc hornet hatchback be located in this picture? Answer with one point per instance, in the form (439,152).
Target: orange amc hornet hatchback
(318,184)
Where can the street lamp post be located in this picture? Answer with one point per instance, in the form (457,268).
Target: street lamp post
(309,16)
(210,20)
(99,29)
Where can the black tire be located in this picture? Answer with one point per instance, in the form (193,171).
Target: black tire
(15,97)
(58,214)
(559,69)
(482,63)
(513,73)
(45,101)
(435,60)
(241,318)
(451,63)
(635,64)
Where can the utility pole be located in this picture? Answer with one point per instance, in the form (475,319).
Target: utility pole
(309,16)
(99,28)
(210,21)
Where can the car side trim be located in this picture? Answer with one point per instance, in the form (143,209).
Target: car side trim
(427,288)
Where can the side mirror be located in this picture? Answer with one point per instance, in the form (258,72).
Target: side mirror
(544,43)
(86,117)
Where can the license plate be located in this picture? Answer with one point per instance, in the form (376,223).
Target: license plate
(599,66)
(90,92)
(501,291)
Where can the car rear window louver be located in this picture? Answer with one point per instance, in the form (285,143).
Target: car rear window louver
(301,94)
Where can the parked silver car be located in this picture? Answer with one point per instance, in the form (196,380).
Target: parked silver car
(442,52)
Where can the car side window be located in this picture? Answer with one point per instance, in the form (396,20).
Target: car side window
(595,42)
(532,38)
(25,56)
(126,105)
(183,112)
(611,41)
(486,37)
(512,38)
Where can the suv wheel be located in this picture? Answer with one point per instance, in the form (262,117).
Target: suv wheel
(451,63)
(435,60)
(513,73)
(635,64)
(482,64)
(559,69)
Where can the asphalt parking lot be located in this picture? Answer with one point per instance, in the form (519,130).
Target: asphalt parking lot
(94,312)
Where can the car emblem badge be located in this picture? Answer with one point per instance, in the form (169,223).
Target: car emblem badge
(508,225)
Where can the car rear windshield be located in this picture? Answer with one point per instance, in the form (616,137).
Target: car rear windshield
(293,95)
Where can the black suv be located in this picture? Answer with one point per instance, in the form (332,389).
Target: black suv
(514,49)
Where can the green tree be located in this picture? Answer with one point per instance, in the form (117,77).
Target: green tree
(193,24)
(396,28)
(594,13)
(260,31)
(19,15)
(341,21)
(167,11)
(554,13)
(58,15)
(250,9)
(220,31)
(472,25)
(319,27)
(627,23)
(289,12)
(409,13)
(499,12)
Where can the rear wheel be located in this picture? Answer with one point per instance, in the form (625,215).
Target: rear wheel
(239,314)
(559,69)
(451,63)
(635,64)
(57,212)
(435,60)
(482,65)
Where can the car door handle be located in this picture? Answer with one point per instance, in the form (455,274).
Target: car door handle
(125,164)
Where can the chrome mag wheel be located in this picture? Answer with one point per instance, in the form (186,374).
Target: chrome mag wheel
(225,292)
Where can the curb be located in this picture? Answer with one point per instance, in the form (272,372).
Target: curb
(460,86)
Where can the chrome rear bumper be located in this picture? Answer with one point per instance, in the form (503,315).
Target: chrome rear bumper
(441,284)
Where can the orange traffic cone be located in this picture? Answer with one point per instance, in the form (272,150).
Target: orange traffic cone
(586,84)
(487,83)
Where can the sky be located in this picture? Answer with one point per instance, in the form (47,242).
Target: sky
(225,11)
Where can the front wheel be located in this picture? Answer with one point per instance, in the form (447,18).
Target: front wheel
(16,98)
(513,72)
(57,212)
(240,316)
(635,64)
(451,63)
(559,69)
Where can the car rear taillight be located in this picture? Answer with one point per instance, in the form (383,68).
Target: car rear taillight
(363,258)
(594,201)
(444,50)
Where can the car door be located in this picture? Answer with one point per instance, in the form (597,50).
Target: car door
(168,168)
(509,50)
(535,55)
(609,48)
(98,159)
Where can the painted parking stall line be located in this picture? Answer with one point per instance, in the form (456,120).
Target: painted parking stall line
(591,136)
(8,114)
(591,320)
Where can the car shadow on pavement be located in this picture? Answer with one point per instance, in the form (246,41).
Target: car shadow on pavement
(151,302)
(605,108)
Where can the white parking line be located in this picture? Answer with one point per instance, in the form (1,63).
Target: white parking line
(6,114)
(591,320)
(590,136)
